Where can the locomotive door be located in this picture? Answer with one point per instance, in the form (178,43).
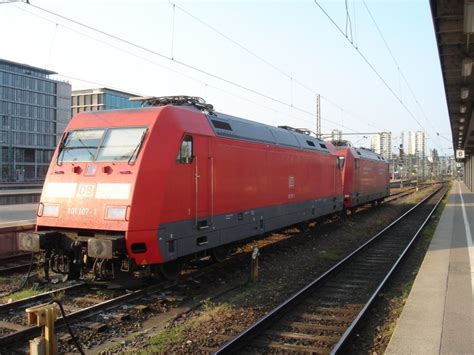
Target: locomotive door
(202,185)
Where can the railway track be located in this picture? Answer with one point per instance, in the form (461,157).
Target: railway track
(14,331)
(17,332)
(15,263)
(400,194)
(8,238)
(408,191)
(322,316)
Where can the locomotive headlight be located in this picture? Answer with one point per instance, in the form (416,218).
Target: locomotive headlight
(50,210)
(29,242)
(116,213)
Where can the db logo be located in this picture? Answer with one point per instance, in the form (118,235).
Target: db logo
(85,191)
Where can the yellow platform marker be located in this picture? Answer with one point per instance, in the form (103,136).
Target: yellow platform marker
(44,316)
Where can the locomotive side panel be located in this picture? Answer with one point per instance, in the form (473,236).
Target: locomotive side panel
(373,182)
(252,188)
(366,177)
(347,175)
(166,184)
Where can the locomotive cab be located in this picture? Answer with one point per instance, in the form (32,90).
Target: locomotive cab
(85,206)
(104,196)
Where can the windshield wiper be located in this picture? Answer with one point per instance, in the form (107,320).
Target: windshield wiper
(85,146)
(64,148)
(60,149)
(137,147)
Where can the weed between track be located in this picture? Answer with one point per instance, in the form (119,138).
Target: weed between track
(176,333)
(25,293)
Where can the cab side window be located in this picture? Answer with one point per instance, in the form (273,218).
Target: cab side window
(340,162)
(185,154)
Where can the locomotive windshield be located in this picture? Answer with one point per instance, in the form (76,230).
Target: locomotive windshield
(113,144)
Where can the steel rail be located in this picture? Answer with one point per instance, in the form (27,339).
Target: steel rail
(407,192)
(14,257)
(349,332)
(6,307)
(15,268)
(104,306)
(84,313)
(244,338)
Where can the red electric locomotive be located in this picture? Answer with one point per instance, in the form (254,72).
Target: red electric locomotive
(145,189)
(365,176)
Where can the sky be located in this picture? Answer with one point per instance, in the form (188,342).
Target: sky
(261,60)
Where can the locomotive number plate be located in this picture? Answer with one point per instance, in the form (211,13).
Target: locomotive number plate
(82,211)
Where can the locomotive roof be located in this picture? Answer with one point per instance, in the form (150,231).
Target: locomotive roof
(239,128)
(367,154)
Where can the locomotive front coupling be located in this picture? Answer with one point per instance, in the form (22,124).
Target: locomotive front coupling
(100,247)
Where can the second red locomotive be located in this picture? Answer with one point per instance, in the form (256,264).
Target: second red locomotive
(365,176)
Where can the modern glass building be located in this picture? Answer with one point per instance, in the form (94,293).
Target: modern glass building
(34,111)
(101,99)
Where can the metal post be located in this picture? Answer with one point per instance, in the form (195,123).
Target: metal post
(254,266)
(423,157)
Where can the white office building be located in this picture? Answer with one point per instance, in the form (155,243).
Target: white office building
(382,144)
(416,144)
(34,111)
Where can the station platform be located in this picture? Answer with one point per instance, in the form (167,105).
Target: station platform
(15,219)
(19,192)
(19,196)
(15,214)
(438,316)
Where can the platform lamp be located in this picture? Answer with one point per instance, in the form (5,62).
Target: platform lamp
(464,93)
(466,67)
(468,17)
(468,24)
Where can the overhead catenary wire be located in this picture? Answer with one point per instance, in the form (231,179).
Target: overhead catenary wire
(290,105)
(399,69)
(172,32)
(284,73)
(355,22)
(164,56)
(258,104)
(371,66)
(227,92)
(231,82)
(186,65)
(348,21)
